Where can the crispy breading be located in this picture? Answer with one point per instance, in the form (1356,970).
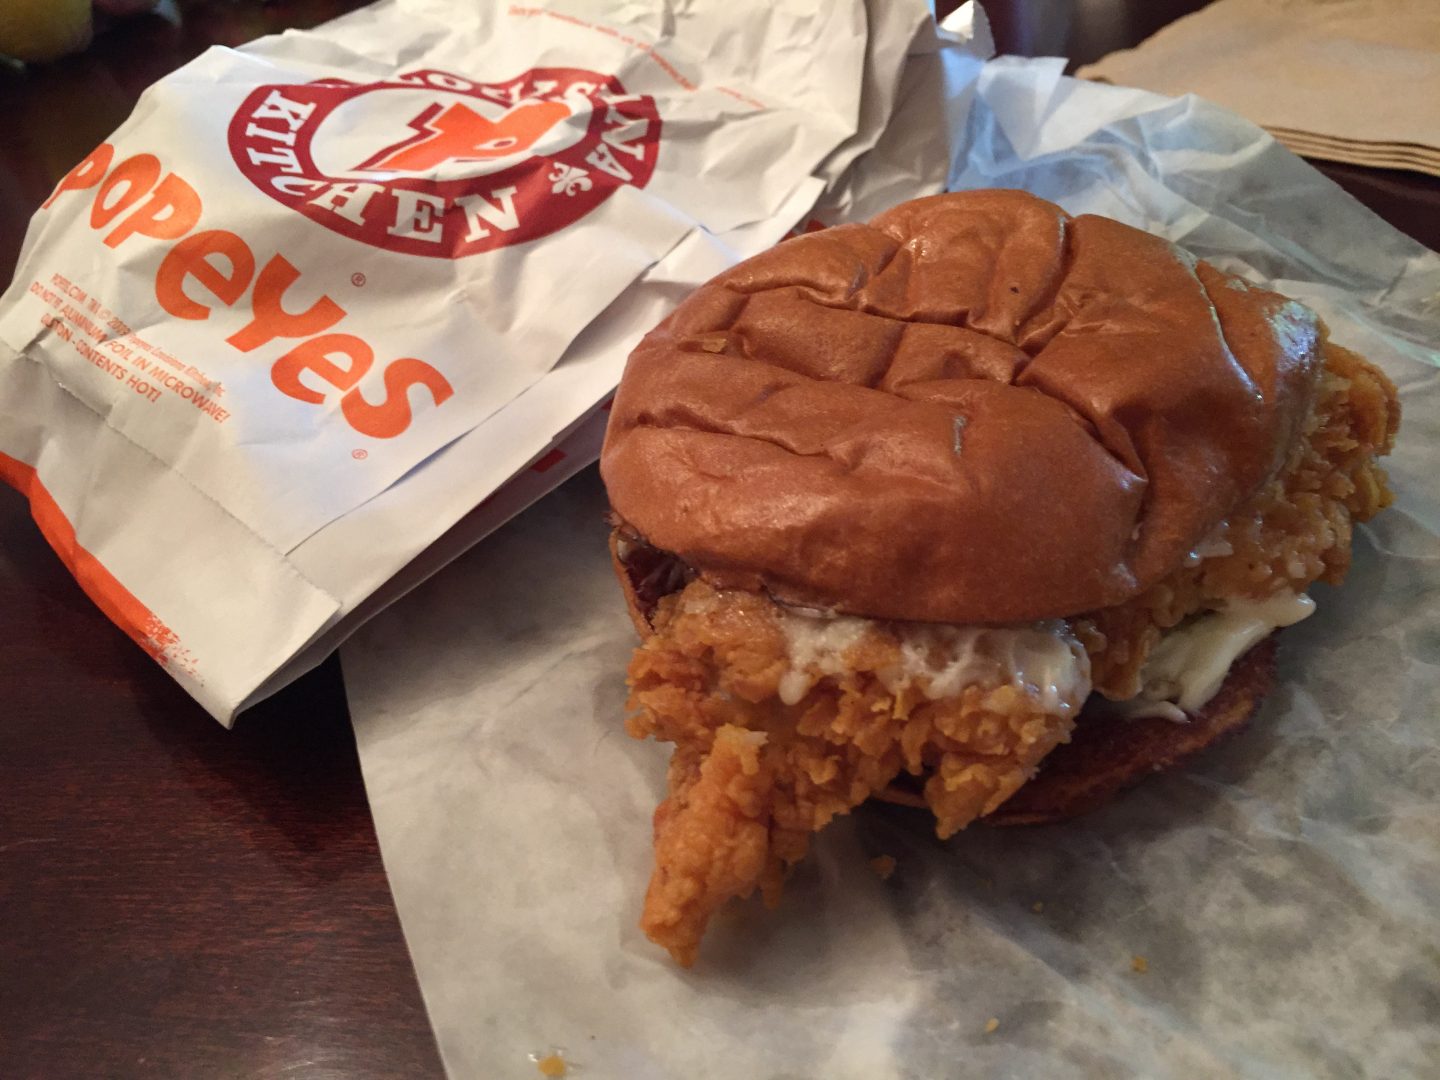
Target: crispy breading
(753,777)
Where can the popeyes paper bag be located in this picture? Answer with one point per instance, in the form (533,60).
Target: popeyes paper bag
(247,331)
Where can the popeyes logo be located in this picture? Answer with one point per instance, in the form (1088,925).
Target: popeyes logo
(429,163)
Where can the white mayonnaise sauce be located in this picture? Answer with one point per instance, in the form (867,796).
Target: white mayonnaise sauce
(1044,658)
(1182,673)
(1189,665)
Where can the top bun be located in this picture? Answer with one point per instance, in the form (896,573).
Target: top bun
(975,408)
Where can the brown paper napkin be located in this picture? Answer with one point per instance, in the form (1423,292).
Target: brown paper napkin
(1343,80)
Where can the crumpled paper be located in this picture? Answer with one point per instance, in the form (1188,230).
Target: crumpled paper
(1346,80)
(1279,893)
(272,345)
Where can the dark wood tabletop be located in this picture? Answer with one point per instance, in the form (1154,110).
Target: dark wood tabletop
(177,900)
(182,901)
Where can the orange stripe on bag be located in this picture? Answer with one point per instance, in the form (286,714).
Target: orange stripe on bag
(117,602)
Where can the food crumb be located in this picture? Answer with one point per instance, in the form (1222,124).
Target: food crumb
(1038,906)
(884,866)
(551,1065)
(991,1025)
(1139,964)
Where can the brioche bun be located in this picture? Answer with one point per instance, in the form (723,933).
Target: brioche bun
(975,408)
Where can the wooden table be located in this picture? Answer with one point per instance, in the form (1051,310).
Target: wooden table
(178,900)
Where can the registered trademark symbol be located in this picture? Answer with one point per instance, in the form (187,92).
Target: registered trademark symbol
(357,279)
(359,455)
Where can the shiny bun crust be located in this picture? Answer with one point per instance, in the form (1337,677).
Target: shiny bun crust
(975,408)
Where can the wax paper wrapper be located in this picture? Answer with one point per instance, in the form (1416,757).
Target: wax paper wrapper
(1278,892)
(322,296)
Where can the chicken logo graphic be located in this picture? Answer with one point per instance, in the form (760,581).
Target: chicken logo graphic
(458,133)
(433,164)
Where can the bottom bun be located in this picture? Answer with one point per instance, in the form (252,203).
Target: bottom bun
(1106,754)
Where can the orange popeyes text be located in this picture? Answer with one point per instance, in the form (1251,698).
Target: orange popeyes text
(209,267)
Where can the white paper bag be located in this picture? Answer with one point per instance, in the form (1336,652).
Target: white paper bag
(298,316)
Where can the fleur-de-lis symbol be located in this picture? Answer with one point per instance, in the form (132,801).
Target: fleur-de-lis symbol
(567,180)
